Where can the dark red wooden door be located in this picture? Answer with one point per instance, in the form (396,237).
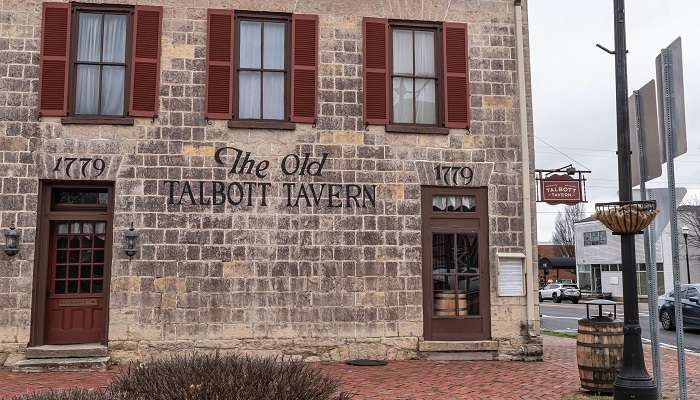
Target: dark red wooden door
(456,290)
(76,303)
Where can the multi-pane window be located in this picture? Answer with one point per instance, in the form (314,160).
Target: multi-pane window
(414,76)
(594,238)
(262,69)
(100,63)
(79,258)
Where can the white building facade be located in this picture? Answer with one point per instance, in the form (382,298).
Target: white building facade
(599,265)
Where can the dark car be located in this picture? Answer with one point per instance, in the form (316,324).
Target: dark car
(690,299)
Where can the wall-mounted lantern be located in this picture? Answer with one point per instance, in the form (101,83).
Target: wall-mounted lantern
(131,237)
(11,241)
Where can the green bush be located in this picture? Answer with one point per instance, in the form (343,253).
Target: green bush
(216,377)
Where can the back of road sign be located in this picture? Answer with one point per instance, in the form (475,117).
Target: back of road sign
(649,125)
(677,100)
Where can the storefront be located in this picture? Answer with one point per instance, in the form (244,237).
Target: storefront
(178,185)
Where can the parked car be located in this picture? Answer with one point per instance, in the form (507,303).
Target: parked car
(690,300)
(561,291)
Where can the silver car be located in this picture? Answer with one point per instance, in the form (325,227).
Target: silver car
(561,291)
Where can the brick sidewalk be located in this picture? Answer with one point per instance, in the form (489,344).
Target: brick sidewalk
(555,378)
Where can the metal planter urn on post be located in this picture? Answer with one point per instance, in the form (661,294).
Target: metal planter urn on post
(626,217)
(599,348)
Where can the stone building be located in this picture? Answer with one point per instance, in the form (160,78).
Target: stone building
(315,179)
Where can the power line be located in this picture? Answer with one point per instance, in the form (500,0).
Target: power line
(562,153)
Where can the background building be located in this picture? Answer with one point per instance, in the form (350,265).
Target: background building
(552,267)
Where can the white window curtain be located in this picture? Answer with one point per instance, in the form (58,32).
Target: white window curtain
(89,37)
(403,100)
(250,44)
(105,33)
(403,51)
(273,95)
(262,46)
(273,55)
(112,90)
(425,53)
(249,94)
(88,76)
(414,54)
(114,46)
(87,87)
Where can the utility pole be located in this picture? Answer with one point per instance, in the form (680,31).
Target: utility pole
(633,380)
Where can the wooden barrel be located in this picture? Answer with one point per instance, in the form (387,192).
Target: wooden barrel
(450,304)
(599,346)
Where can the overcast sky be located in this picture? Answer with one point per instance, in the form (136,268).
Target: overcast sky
(573,85)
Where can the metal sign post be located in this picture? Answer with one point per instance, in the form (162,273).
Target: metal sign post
(636,112)
(671,152)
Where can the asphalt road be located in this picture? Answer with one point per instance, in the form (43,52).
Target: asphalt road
(564,317)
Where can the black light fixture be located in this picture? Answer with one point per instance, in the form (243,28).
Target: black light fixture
(131,237)
(11,241)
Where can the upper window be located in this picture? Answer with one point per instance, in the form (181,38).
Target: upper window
(100,62)
(262,68)
(414,75)
(594,238)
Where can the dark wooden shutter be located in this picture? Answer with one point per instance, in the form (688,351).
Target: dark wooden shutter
(375,70)
(145,61)
(53,65)
(219,95)
(304,67)
(456,75)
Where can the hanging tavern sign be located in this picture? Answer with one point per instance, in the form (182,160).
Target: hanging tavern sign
(559,186)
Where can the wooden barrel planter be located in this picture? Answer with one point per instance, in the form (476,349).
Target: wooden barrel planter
(450,304)
(599,348)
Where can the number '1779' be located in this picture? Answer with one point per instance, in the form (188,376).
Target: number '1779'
(453,175)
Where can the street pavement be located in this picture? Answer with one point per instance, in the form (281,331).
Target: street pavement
(564,317)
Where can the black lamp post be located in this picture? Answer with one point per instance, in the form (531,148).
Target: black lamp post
(633,380)
(685,230)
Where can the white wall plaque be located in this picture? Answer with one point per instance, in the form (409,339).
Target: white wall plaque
(511,277)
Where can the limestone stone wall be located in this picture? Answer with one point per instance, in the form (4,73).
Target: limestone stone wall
(306,282)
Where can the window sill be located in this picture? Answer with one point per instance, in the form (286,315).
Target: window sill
(416,129)
(280,125)
(97,121)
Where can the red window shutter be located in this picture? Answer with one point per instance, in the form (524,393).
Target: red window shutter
(219,94)
(145,61)
(375,70)
(304,67)
(456,73)
(53,66)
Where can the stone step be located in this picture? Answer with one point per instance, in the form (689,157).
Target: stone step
(67,351)
(458,350)
(61,364)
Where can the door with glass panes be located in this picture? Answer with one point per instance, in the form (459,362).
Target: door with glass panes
(79,224)
(455,264)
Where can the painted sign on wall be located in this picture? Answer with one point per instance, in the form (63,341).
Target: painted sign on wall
(251,190)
